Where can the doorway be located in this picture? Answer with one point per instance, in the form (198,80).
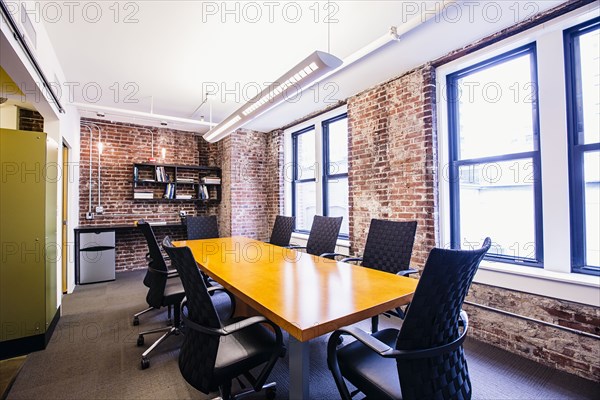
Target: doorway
(64,219)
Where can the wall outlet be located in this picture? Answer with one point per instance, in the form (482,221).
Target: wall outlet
(89,215)
(99,210)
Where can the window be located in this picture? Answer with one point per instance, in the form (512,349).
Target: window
(305,178)
(319,170)
(522,167)
(335,183)
(494,157)
(582,48)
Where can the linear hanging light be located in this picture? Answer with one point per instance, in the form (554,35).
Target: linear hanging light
(302,75)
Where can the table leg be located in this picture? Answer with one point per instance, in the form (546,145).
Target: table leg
(299,363)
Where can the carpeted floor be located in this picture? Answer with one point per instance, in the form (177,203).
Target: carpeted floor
(93,355)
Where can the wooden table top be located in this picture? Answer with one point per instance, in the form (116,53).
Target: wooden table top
(305,295)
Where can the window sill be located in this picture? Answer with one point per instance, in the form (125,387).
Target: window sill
(579,288)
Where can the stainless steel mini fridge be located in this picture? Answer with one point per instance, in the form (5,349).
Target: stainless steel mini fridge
(96,257)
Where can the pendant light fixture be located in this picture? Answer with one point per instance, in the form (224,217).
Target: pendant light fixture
(295,80)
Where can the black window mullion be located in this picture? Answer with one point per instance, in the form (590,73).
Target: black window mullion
(577,146)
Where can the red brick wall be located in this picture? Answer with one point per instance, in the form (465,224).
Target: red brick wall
(391,156)
(274,176)
(244,212)
(29,120)
(124,145)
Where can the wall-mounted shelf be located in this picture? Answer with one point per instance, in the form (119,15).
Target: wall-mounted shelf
(176,183)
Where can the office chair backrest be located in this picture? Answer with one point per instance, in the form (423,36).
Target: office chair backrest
(282,230)
(323,235)
(432,320)
(156,281)
(202,227)
(198,353)
(389,245)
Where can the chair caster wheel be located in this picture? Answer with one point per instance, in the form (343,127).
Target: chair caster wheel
(136,321)
(271,393)
(140,342)
(145,363)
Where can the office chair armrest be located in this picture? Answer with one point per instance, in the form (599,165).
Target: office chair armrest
(351,259)
(331,256)
(438,350)
(166,273)
(407,272)
(295,246)
(332,360)
(387,352)
(215,287)
(234,327)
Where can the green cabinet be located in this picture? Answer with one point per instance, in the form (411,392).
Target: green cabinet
(30,175)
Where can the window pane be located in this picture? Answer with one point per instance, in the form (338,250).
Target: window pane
(497,200)
(306,205)
(338,147)
(495,110)
(306,155)
(592,208)
(589,64)
(337,202)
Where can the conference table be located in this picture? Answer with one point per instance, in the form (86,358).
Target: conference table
(305,295)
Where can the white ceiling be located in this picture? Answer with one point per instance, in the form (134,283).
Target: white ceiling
(171,51)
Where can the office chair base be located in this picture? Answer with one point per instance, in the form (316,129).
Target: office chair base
(269,388)
(136,316)
(145,363)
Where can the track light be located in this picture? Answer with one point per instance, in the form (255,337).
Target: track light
(301,76)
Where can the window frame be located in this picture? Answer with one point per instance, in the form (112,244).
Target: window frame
(327,177)
(455,162)
(576,149)
(295,179)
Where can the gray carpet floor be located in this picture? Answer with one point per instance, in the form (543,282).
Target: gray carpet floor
(93,355)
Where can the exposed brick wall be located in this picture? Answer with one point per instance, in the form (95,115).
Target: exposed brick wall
(548,345)
(131,247)
(391,156)
(244,166)
(29,120)
(124,145)
(274,176)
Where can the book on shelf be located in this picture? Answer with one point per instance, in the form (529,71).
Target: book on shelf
(143,195)
(161,176)
(211,180)
(186,180)
(203,192)
(183,196)
(169,191)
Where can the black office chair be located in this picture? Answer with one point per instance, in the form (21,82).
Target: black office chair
(425,358)
(202,227)
(214,353)
(322,237)
(153,253)
(388,248)
(282,230)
